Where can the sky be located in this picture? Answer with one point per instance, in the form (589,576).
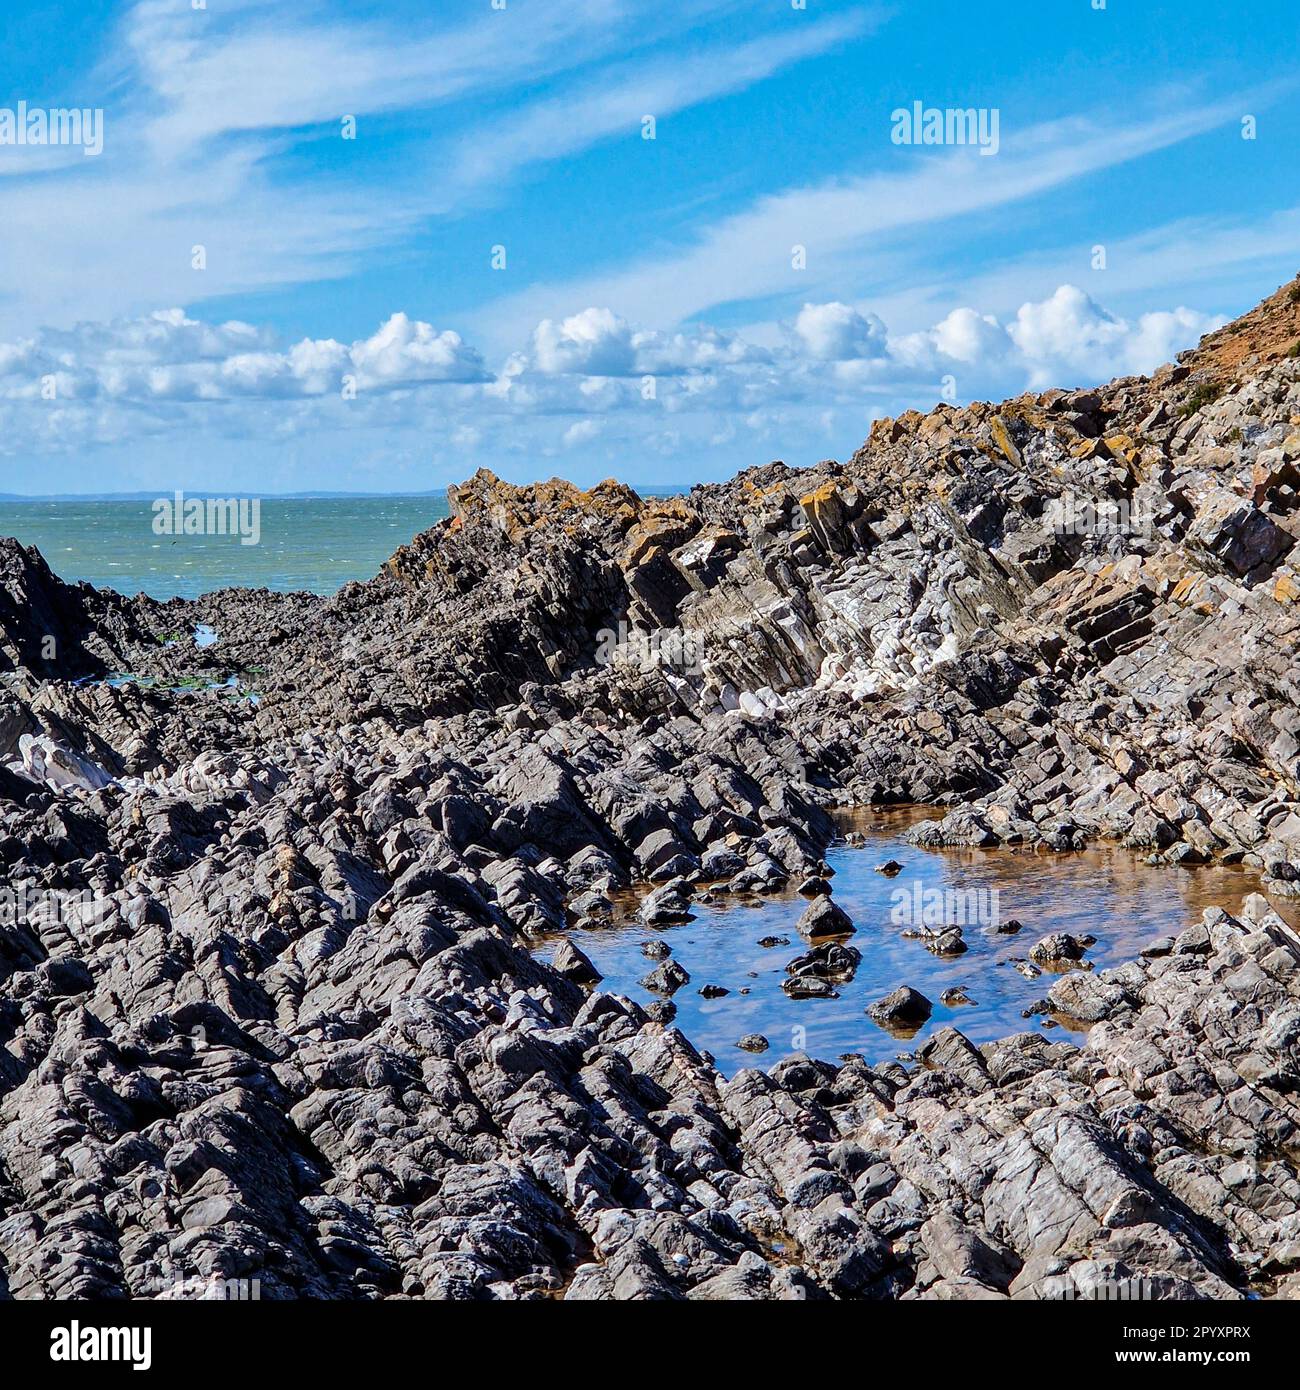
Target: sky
(352,245)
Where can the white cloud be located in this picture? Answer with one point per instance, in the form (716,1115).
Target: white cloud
(405,351)
(1159,336)
(167,356)
(1070,338)
(595,342)
(1068,328)
(850,227)
(969,337)
(599,343)
(583,432)
(836,332)
(157,376)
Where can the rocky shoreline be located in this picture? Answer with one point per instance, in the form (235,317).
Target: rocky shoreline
(267,1007)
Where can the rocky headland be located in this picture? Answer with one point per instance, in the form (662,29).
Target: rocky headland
(267,1005)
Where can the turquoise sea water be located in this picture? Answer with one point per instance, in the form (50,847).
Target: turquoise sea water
(313,544)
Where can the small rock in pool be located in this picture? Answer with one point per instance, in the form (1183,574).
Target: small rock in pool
(822,918)
(1010,927)
(591,904)
(946,943)
(753,1042)
(905,1008)
(1059,946)
(953,997)
(656,950)
(832,960)
(889,868)
(714,991)
(815,887)
(666,978)
(809,987)
(767,942)
(1029,971)
(671,903)
(746,881)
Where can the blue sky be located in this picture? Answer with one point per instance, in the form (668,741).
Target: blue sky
(344,326)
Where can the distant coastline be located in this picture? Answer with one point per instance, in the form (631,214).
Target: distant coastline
(309,542)
(147,496)
(17,498)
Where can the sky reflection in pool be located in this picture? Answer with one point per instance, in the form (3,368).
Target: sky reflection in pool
(1104,891)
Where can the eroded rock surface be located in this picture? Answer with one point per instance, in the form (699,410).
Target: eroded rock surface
(268,1008)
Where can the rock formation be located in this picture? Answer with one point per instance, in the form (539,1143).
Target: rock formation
(267,1005)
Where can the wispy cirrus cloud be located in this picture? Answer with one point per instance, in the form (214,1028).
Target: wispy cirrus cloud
(846,224)
(253,65)
(214,112)
(615,100)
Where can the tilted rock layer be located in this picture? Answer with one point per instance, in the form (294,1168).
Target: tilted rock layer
(267,1006)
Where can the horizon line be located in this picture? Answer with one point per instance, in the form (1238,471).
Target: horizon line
(315,495)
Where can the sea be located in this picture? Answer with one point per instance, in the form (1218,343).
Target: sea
(313,545)
(305,544)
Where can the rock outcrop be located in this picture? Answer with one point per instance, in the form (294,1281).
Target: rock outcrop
(268,1007)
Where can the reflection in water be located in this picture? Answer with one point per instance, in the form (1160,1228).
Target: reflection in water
(1103,891)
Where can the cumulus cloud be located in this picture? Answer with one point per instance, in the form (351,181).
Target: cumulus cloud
(405,351)
(167,356)
(968,336)
(600,343)
(1159,336)
(1070,337)
(835,367)
(1067,339)
(836,332)
(596,342)
(1067,328)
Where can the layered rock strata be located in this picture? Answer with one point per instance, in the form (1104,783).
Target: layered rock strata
(268,1010)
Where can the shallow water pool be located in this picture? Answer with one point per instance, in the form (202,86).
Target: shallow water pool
(1105,892)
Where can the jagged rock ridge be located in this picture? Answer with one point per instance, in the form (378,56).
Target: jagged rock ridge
(273,1014)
